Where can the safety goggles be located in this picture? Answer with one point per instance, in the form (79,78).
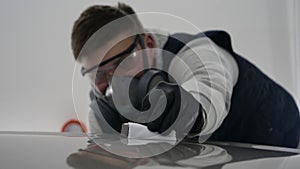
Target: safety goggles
(129,59)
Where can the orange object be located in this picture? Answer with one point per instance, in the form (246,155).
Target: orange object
(73,125)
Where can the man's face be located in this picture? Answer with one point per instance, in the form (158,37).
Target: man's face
(128,58)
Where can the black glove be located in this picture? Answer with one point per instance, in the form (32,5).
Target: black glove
(177,100)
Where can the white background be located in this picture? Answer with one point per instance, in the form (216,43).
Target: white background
(36,64)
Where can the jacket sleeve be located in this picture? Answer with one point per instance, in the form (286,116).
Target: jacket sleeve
(209,73)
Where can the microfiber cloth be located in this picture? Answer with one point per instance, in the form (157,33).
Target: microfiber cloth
(138,134)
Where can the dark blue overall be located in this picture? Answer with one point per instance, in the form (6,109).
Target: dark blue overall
(261,111)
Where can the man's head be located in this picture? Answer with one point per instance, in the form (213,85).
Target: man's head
(107,35)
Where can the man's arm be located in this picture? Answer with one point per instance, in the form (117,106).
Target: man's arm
(209,73)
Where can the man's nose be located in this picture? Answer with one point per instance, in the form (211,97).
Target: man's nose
(110,72)
(102,87)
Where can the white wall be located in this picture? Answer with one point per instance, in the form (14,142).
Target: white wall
(296,39)
(36,60)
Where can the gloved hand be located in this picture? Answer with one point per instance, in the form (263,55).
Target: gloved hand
(177,100)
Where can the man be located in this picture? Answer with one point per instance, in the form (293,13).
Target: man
(208,91)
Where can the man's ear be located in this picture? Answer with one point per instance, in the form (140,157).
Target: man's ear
(149,40)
